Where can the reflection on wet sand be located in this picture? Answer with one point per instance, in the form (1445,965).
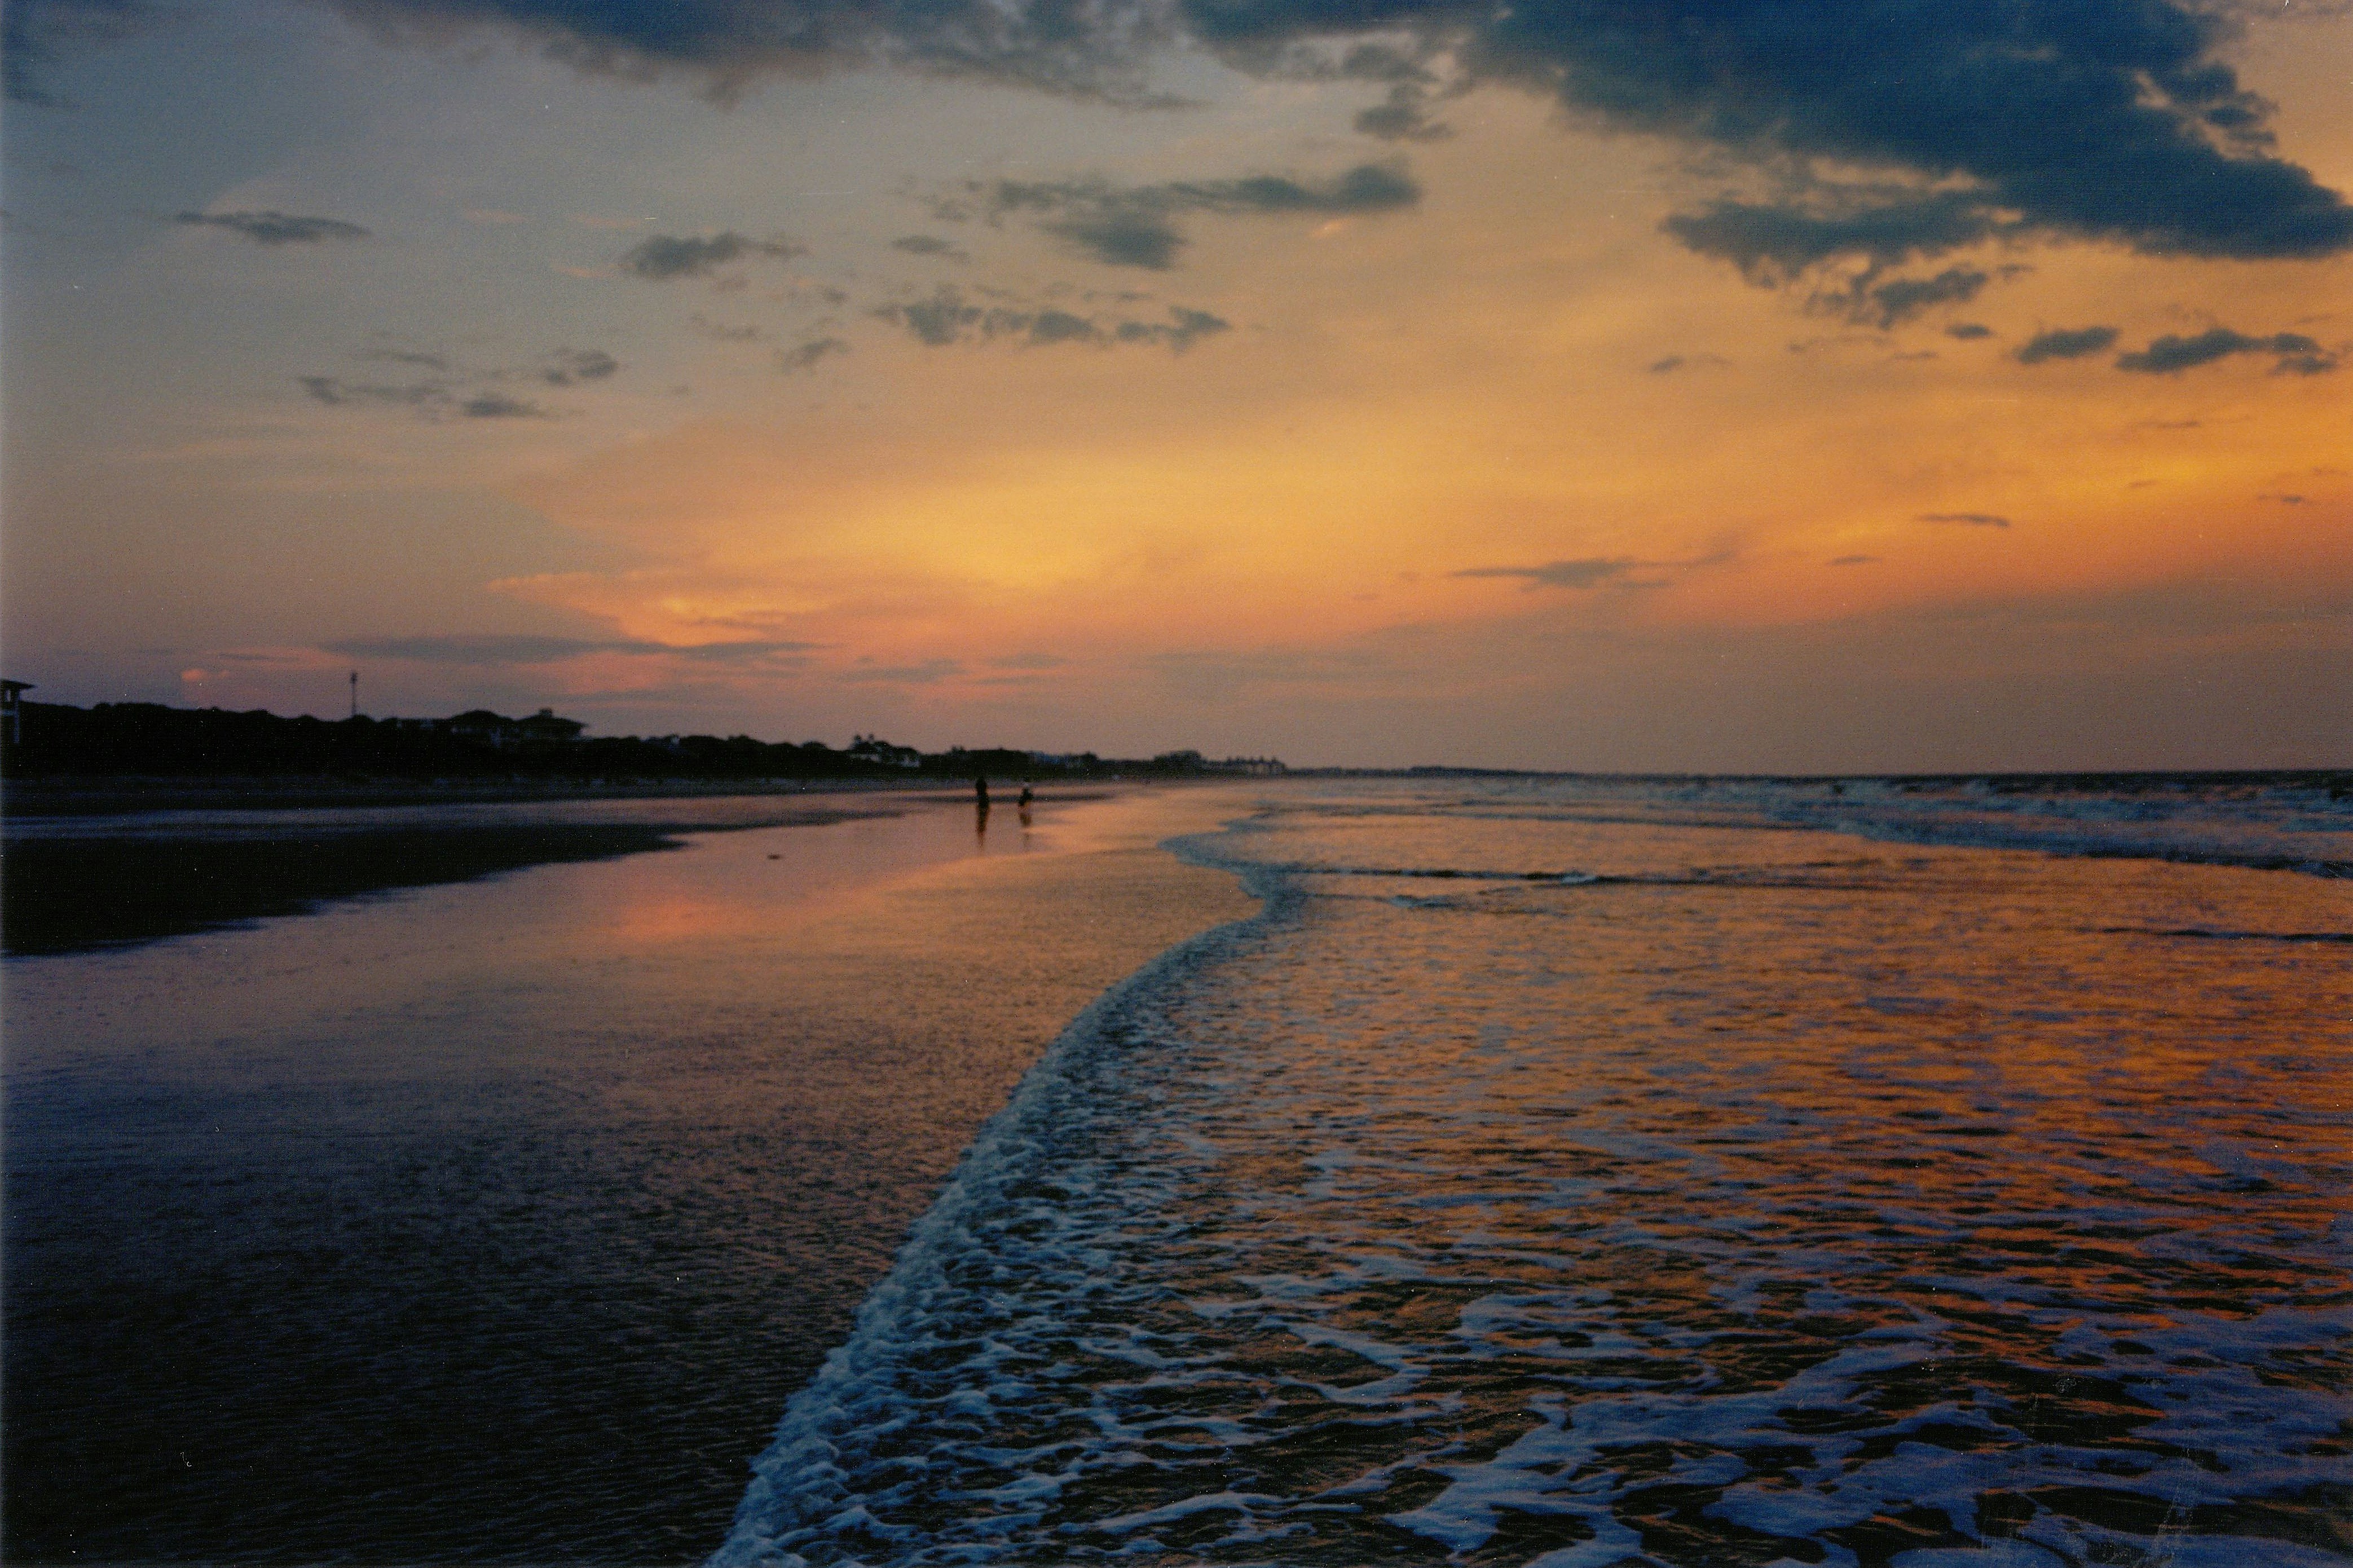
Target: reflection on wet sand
(496,1222)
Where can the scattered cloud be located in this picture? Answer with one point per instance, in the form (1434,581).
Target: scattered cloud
(1966,519)
(455,390)
(2065,342)
(949,316)
(1029,661)
(500,406)
(1183,329)
(565,366)
(408,356)
(1968,332)
(336,392)
(929,245)
(2109,120)
(274,228)
(1854,560)
(1135,225)
(1590,572)
(1674,363)
(662,257)
(2171,354)
(493,216)
(1902,298)
(809,354)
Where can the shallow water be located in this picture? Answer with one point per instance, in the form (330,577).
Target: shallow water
(495,1222)
(1588,1173)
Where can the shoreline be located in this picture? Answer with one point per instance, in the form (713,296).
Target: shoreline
(427,1189)
(96,874)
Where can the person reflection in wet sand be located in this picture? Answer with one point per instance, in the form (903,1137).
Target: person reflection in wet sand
(1023,807)
(980,806)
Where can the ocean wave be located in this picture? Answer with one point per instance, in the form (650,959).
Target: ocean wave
(1727,1229)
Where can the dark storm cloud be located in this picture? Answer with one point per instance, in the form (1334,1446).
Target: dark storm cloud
(274,227)
(2112,120)
(1967,519)
(1590,571)
(505,648)
(2065,342)
(949,317)
(664,256)
(2170,354)
(1135,225)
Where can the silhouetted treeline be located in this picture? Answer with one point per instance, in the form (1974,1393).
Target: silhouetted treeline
(151,741)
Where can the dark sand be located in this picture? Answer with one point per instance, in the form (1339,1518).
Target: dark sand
(495,1222)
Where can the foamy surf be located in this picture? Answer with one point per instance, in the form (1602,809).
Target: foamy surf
(1757,1204)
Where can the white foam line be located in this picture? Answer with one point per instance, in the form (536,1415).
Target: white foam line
(802,1459)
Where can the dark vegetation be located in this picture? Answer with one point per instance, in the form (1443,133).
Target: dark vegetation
(79,880)
(147,740)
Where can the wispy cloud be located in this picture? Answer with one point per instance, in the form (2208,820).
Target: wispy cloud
(1590,571)
(2065,342)
(2170,355)
(521,649)
(949,316)
(1135,225)
(274,228)
(810,353)
(662,257)
(1965,519)
(565,366)
(453,390)
(929,245)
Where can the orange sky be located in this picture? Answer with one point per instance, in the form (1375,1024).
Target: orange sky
(1500,474)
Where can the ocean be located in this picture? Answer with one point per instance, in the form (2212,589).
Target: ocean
(1586,1172)
(1442,1169)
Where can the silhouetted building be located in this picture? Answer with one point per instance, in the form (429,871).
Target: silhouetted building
(499,731)
(12,709)
(875,748)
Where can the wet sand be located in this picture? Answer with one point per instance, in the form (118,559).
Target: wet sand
(84,870)
(496,1222)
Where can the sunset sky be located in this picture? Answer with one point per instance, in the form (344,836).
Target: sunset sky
(1707,384)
